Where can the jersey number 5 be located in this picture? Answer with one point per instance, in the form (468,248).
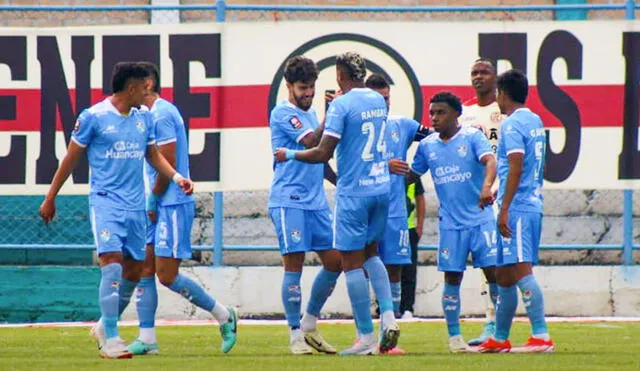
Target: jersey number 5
(369,129)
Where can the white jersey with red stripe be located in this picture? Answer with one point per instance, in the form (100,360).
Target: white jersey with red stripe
(489,117)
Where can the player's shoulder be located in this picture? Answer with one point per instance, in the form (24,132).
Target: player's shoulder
(470,102)
(282,111)
(469,131)
(430,139)
(163,109)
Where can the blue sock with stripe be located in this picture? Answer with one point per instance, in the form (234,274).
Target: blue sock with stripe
(147,301)
(505,311)
(358,290)
(193,292)
(534,303)
(111,275)
(451,308)
(126,290)
(292,298)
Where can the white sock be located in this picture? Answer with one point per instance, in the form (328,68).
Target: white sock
(388,318)
(220,313)
(295,335)
(308,322)
(147,335)
(541,336)
(368,338)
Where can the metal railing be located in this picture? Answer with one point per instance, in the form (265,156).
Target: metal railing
(221,9)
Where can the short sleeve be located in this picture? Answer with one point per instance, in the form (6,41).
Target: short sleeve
(291,126)
(513,140)
(481,145)
(165,129)
(83,130)
(336,116)
(410,127)
(420,165)
(151,132)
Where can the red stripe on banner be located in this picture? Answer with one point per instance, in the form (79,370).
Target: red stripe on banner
(246,106)
(599,105)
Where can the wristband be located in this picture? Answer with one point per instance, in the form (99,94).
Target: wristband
(290,154)
(177,177)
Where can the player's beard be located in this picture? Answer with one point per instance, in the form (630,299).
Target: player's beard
(304,102)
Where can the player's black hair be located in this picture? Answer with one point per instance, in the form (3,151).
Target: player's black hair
(154,73)
(376,81)
(487,61)
(300,69)
(125,71)
(353,64)
(514,83)
(449,98)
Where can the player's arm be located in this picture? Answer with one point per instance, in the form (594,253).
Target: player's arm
(420,207)
(165,169)
(486,194)
(313,138)
(330,174)
(317,155)
(513,181)
(69,162)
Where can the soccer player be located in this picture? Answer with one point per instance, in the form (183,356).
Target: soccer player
(171,214)
(521,156)
(356,120)
(415,220)
(483,112)
(117,137)
(299,209)
(463,169)
(394,249)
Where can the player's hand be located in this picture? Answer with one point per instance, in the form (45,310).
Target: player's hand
(280,154)
(486,197)
(153,216)
(328,97)
(186,185)
(47,210)
(397,166)
(503,223)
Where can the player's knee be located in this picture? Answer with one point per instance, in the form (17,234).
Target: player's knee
(453,278)
(166,278)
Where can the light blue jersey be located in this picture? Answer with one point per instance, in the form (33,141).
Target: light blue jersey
(116,146)
(358,119)
(169,128)
(402,131)
(458,176)
(523,132)
(295,184)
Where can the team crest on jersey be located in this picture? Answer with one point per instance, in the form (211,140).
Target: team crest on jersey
(76,127)
(295,123)
(140,126)
(444,253)
(462,151)
(105,235)
(395,136)
(526,295)
(432,156)
(296,236)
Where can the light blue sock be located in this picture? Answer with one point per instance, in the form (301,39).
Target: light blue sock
(534,303)
(109,298)
(322,288)
(380,282)
(359,296)
(292,298)
(451,308)
(193,292)
(396,292)
(506,309)
(493,294)
(126,290)
(147,303)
